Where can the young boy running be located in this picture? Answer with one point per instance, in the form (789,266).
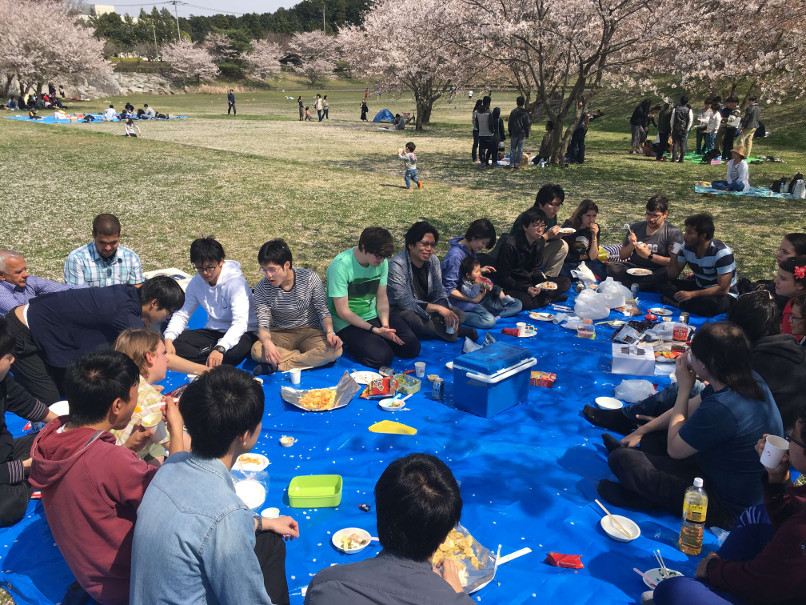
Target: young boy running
(410,162)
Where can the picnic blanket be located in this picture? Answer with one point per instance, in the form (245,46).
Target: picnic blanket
(528,477)
(752,192)
(99,119)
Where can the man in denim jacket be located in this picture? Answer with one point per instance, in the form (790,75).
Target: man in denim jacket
(195,541)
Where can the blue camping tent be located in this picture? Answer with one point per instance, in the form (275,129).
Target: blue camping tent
(384,115)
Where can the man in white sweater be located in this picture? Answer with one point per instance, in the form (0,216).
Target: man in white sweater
(223,292)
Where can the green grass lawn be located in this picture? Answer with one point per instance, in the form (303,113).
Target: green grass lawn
(263,174)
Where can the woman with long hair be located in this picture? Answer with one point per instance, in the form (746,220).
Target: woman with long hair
(791,281)
(583,244)
(710,435)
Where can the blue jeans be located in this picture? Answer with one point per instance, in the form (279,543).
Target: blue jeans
(516,150)
(483,315)
(321,114)
(725,186)
(409,176)
(660,402)
(710,138)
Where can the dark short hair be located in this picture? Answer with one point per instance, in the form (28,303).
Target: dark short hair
(548,193)
(204,249)
(7,339)
(532,216)
(486,101)
(276,252)
(703,224)
(220,406)
(481,228)
(164,290)
(732,99)
(657,203)
(376,240)
(757,314)
(106,224)
(717,99)
(410,145)
(724,349)
(520,101)
(95,381)
(683,100)
(549,124)
(752,98)
(418,230)
(417,504)
(798,241)
(468,264)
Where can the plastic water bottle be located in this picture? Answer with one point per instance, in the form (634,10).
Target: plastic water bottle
(695,506)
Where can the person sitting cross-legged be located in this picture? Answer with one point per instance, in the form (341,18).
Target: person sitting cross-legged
(195,541)
(417,503)
(291,312)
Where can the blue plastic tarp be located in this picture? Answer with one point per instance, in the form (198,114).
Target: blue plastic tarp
(528,478)
(99,119)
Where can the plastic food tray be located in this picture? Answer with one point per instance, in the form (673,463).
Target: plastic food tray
(407,384)
(314,491)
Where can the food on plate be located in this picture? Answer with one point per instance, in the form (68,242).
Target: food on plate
(457,546)
(287,441)
(541,316)
(318,400)
(639,271)
(567,231)
(668,354)
(247,459)
(353,541)
(661,311)
(547,285)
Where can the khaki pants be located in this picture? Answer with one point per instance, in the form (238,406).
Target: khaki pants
(746,139)
(554,254)
(304,347)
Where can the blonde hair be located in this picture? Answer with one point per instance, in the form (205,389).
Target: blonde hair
(136,343)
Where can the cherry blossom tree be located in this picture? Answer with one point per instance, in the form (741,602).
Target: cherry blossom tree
(264,60)
(317,53)
(40,43)
(189,61)
(406,45)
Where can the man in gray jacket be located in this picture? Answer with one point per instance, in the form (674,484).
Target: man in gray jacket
(519,126)
(749,124)
(415,288)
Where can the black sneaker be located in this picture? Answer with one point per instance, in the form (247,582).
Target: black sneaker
(467,332)
(264,369)
(611,420)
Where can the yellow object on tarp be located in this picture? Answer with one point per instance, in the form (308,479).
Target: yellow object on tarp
(393,428)
(603,255)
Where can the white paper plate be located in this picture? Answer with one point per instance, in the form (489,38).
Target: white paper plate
(609,403)
(567,231)
(365,377)
(652,576)
(546,285)
(639,272)
(60,408)
(251,492)
(541,316)
(613,531)
(660,311)
(346,532)
(528,334)
(250,463)
(390,404)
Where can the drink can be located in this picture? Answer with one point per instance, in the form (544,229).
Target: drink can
(386,371)
(634,290)
(684,317)
(438,388)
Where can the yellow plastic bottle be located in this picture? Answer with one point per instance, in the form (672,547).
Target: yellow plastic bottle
(695,506)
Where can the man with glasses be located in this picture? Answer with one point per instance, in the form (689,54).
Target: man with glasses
(291,313)
(103,262)
(359,306)
(649,244)
(416,290)
(222,291)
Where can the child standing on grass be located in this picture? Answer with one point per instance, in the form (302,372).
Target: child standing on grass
(410,162)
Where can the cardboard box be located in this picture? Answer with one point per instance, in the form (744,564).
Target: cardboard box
(637,360)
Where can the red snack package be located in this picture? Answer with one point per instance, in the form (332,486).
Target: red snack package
(542,379)
(380,388)
(559,560)
(510,331)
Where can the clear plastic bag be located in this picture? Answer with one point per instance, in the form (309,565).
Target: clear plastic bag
(591,305)
(614,292)
(633,391)
(584,274)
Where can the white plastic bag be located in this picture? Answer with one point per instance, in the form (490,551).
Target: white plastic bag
(665,330)
(584,274)
(591,305)
(614,292)
(633,391)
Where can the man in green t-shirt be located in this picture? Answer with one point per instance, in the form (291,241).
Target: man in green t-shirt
(356,296)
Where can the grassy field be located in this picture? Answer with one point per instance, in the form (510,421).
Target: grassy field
(263,174)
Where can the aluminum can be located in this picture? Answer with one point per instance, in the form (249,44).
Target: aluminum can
(684,317)
(438,389)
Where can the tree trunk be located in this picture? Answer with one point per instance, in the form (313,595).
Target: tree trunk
(7,86)
(424,107)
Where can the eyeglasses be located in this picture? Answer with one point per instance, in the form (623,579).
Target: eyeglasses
(269,270)
(423,244)
(381,257)
(555,204)
(791,439)
(206,269)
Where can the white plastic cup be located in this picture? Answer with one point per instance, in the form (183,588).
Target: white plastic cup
(157,424)
(521,325)
(774,450)
(296,376)
(270,513)
(419,369)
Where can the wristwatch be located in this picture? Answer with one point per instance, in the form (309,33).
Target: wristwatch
(651,254)
(219,349)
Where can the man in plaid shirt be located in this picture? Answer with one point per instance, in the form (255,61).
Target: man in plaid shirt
(103,262)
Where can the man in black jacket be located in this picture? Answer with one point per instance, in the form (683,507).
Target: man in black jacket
(519,125)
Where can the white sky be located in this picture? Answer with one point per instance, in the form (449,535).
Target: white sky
(202,7)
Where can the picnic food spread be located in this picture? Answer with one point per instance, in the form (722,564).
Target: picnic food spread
(317,400)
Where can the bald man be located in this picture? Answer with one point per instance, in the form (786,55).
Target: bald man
(17,286)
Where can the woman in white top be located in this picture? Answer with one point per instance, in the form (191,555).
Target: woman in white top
(132,129)
(713,126)
(738,177)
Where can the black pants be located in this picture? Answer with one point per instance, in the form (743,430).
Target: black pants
(678,147)
(30,369)
(576,148)
(485,150)
(648,283)
(432,328)
(196,345)
(663,145)
(727,143)
(14,497)
(375,351)
(231,107)
(707,306)
(545,297)
(270,551)
(701,132)
(474,151)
